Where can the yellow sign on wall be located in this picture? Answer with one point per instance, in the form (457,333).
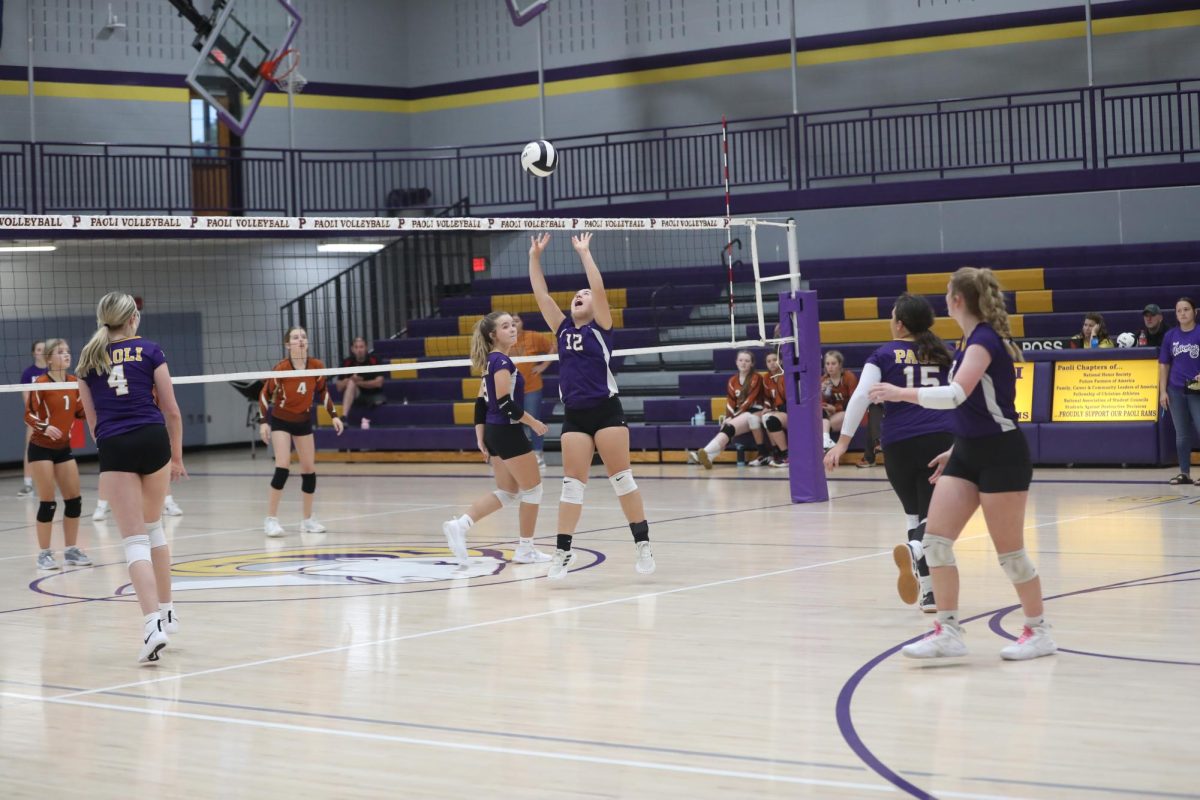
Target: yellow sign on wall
(1024,399)
(1105,391)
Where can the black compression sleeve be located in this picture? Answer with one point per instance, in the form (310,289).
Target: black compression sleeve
(480,411)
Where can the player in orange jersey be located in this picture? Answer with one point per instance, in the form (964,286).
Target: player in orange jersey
(50,413)
(775,415)
(743,412)
(289,402)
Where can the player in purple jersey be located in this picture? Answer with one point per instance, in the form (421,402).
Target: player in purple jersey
(499,417)
(594,419)
(34,371)
(1179,384)
(140,445)
(912,436)
(988,466)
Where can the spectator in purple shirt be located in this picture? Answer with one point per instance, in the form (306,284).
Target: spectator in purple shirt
(34,371)
(1179,384)
(987,466)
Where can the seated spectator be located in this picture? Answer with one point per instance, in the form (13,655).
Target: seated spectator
(837,384)
(775,416)
(1094,333)
(1155,327)
(743,412)
(361,391)
(532,343)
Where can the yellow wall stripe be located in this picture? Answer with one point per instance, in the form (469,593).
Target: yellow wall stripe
(624,80)
(860,308)
(1035,301)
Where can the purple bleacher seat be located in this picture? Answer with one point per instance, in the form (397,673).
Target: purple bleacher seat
(643,437)
(1139,276)
(685,437)
(668,409)
(707,384)
(434,326)
(1122,298)
(399,348)
(413,414)
(461,306)
(650,317)
(422,438)
(1068,323)
(1098,443)
(673,295)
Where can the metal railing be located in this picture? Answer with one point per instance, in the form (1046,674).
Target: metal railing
(1074,129)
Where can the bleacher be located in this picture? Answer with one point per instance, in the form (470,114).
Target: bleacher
(429,414)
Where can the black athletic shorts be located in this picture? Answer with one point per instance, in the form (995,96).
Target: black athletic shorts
(58,455)
(144,451)
(506,441)
(907,465)
(304,428)
(608,414)
(998,463)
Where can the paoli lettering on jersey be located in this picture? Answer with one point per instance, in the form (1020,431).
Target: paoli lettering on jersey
(124,354)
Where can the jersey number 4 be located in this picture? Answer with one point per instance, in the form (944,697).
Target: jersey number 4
(303,388)
(929,376)
(116,380)
(574,341)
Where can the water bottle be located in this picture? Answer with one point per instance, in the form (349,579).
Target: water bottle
(1095,342)
(698,417)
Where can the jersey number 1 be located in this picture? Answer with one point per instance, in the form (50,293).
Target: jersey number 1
(116,380)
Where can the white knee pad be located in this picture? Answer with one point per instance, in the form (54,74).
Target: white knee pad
(155,531)
(532,496)
(623,483)
(572,491)
(506,498)
(1018,566)
(137,548)
(939,551)
(754,421)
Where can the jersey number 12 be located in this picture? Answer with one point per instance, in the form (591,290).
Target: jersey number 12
(575,342)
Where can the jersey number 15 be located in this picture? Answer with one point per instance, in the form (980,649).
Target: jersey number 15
(929,376)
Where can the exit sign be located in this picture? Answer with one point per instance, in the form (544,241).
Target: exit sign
(478,264)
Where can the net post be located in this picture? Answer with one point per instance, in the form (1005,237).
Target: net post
(793,250)
(802,366)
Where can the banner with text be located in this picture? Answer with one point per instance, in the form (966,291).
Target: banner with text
(1024,398)
(1105,391)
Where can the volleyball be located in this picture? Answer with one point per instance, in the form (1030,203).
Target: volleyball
(539,158)
(1126,339)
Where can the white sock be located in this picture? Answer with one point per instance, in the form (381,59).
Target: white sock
(525,543)
(465,522)
(29,481)
(168,500)
(101,504)
(912,520)
(163,608)
(150,620)
(926,583)
(1036,622)
(713,448)
(948,618)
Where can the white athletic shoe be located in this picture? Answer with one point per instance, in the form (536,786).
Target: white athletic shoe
(456,540)
(172,509)
(703,457)
(154,639)
(311,525)
(74,557)
(928,603)
(908,584)
(645,559)
(100,513)
(529,554)
(944,641)
(272,528)
(1033,643)
(561,564)
(45,560)
(25,491)
(828,444)
(170,622)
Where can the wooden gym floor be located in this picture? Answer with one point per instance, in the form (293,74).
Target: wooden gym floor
(759,661)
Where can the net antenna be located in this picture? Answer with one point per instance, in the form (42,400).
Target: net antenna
(523,11)
(233,57)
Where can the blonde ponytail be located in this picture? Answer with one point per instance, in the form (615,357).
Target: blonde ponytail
(481,339)
(112,313)
(981,290)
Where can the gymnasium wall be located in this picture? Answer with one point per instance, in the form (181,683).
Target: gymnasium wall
(213,305)
(438,72)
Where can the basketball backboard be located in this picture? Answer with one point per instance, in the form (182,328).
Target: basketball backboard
(523,11)
(233,48)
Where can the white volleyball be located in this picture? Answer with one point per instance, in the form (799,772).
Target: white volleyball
(539,158)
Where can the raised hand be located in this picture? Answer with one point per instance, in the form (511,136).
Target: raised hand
(582,242)
(537,244)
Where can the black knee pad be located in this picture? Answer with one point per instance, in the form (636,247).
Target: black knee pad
(279,478)
(773,424)
(73,508)
(917,533)
(308,482)
(728,430)
(46,510)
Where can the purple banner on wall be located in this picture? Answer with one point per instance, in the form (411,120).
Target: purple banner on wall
(802,366)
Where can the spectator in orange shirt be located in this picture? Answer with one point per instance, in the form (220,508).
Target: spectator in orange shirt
(532,343)
(744,398)
(837,385)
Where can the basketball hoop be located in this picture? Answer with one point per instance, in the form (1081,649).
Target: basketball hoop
(283,71)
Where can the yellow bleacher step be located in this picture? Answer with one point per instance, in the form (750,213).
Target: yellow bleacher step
(470,388)
(464,413)
(1035,301)
(398,374)
(858,331)
(519,303)
(447,346)
(1011,280)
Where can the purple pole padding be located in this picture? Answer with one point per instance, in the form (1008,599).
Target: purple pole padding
(802,368)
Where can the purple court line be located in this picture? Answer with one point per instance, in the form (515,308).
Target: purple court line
(846,695)
(456,729)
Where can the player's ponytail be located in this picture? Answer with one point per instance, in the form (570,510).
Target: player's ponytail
(916,315)
(112,313)
(984,298)
(481,339)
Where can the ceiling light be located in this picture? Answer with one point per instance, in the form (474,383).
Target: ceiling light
(349,247)
(27,248)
